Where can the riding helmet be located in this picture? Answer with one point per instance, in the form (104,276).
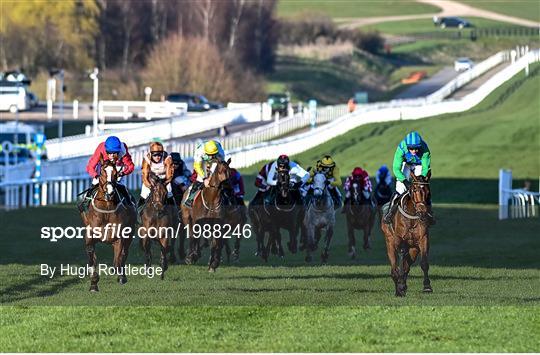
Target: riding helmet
(413,140)
(113,145)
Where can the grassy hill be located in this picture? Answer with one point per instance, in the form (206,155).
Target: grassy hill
(503,131)
(527,9)
(353,8)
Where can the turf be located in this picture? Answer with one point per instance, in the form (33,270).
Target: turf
(527,9)
(352,8)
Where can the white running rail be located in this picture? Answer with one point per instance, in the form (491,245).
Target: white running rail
(516,203)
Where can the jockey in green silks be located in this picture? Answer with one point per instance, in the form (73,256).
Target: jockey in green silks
(412,156)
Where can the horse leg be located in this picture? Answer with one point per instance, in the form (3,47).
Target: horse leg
(367,233)
(227,250)
(117,261)
(318,231)
(328,239)
(147,249)
(280,251)
(164,242)
(215,254)
(236,250)
(309,243)
(352,240)
(182,246)
(391,250)
(172,257)
(92,265)
(408,259)
(424,264)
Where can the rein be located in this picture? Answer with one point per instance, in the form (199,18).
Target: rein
(403,212)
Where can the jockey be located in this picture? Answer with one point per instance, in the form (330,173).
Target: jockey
(114,150)
(261,182)
(327,166)
(360,177)
(237,184)
(384,176)
(298,176)
(158,162)
(204,153)
(412,155)
(181,174)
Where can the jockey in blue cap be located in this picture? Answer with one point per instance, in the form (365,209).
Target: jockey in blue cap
(412,156)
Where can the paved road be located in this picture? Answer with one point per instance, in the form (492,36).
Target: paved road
(429,85)
(448,8)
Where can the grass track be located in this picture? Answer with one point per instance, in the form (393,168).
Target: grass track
(527,9)
(352,8)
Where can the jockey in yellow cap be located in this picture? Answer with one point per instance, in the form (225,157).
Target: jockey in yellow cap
(204,154)
(327,166)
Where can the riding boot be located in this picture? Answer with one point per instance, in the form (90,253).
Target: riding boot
(431,219)
(86,199)
(140,205)
(391,209)
(193,189)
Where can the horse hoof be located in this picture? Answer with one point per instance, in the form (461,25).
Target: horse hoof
(211,269)
(367,246)
(122,280)
(427,289)
(94,288)
(163,275)
(400,294)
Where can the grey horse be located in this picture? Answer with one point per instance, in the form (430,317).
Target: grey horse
(320,214)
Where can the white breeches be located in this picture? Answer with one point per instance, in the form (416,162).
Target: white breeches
(406,169)
(145,191)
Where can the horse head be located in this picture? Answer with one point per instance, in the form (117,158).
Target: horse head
(319,185)
(219,172)
(420,192)
(107,178)
(158,191)
(283,182)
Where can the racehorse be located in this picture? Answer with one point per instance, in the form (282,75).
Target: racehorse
(271,217)
(408,234)
(383,194)
(159,221)
(108,209)
(207,211)
(360,214)
(319,214)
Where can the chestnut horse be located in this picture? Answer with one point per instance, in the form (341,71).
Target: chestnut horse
(207,210)
(408,234)
(360,214)
(178,192)
(159,221)
(108,209)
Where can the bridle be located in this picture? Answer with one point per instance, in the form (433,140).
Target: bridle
(415,204)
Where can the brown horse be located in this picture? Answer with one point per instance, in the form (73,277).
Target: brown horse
(207,211)
(234,214)
(360,214)
(159,221)
(408,234)
(108,209)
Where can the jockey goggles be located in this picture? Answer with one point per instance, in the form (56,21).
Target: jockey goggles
(157,153)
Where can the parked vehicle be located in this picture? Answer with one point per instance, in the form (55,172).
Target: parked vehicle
(279,103)
(444,22)
(33,99)
(462,64)
(13,97)
(195,102)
